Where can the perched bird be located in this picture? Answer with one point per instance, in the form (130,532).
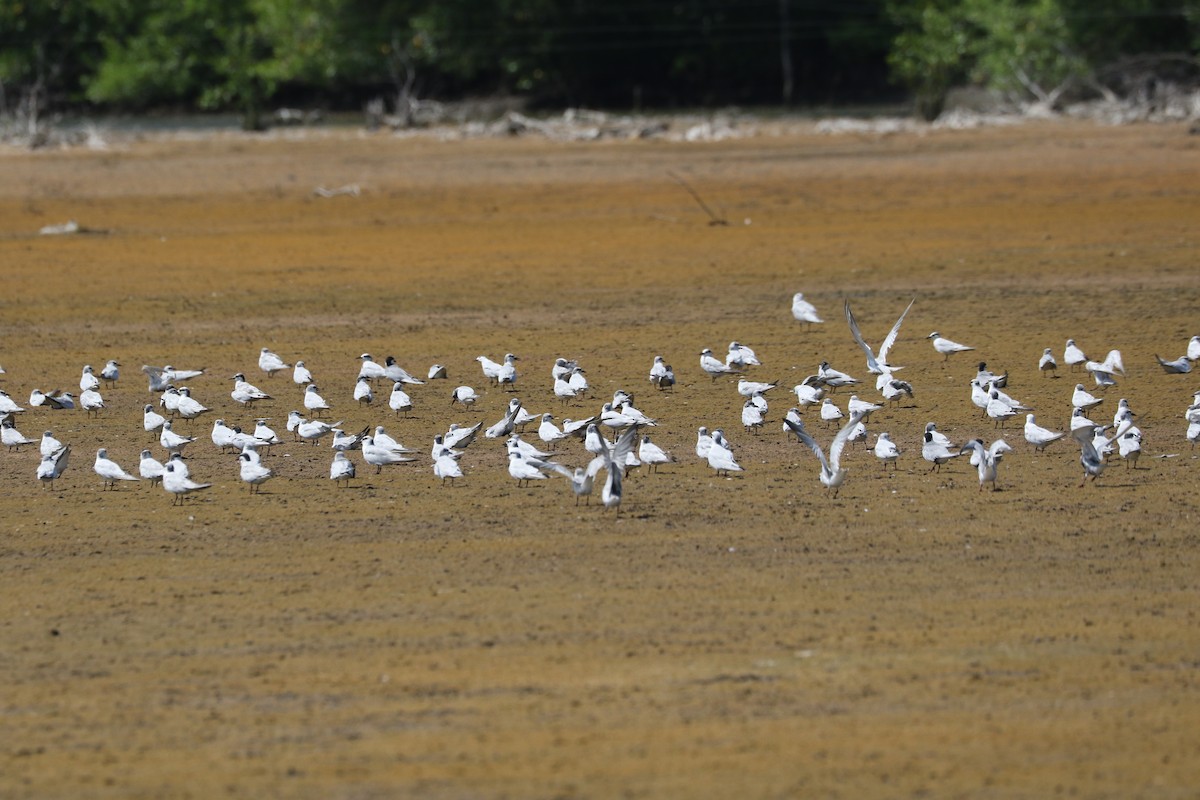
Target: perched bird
(747,388)
(384,439)
(187,406)
(53,465)
(397,373)
(937,450)
(313,429)
(894,391)
(792,415)
(348,441)
(522,470)
(830,412)
(877,365)
(652,455)
(563,389)
(223,436)
(578,381)
(657,369)
(1180,366)
(714,367)
(1072,355)
(740,356)
(446,466)
(88,379)
(150,469)
(862,408)
(110,470)
(313,401)
(341,471)
(270,363)
(998,409)
(507,423)
(720,455)
(1081,398)
(49,445)
(946,347)
(246,393)
(61,401)
(1129,445)
(179,484)
(986,376)
(465,395)
(988,459)
(263,434)
(809,391)
(362,390)
(380,457)
(37,398)
(370,368)
(301,375)
(887,451)
(437,372)
(151,419)
(254,473)
(9,406)
(1038,436)
(458,436)
(491,369)
(508,371)
(1193,348)
(171,441)
(548,432)
(1047,364)
(12,438)
(704,443)
(752,416)
(834,378)
(111,373)
(832,474)
(593,442)
(804,311)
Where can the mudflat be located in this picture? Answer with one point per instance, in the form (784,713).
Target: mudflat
(750,635)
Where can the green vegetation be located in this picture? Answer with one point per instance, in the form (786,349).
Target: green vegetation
(251,54)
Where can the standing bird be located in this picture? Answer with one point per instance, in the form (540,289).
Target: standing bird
(741,356)
(12,438)
(445,465)
(1038,436)
(1072,355)
(887,451)
(370,367)
(1129,446)
(1047,364)
(314,402)
(832,473)
(945,346)
(341,471)
(111,373)
(465,395)
(491,370)
(398,400)
(713,366)
(253,472)
(151,419)
(150,469)
(171,441)
(830,412)
(270,363)
(1081,398)
(395,372)
(88,379)
(362,390)
(1091,456)
(937,450)
(804,311)
(380,457)
(177,482)
(652,455)
(301,375)
(53,465)
(246,393)
(1193,348)
(988,459)
(110,470)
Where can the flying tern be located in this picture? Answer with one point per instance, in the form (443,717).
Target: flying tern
(832,474)
(877,365)
(988,459)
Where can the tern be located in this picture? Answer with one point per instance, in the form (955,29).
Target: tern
(986,376)
(834,378)
(657,369)
(8,406)
(380,457)
(945,346)
(1038,436)
(830,412)
(162,377)
(270,363)
(397,373)
(263,434)
(508,372)
(1081,398)
(53,465)
(747,388)
(150,469)
(171,441)
(465,395)
(562,368)
(715,368)
(111,373)
(176,482)
(491,370)
(720,455)
(187,406)
(877,365)
(348,441)
(1103,371)
(313,400)
(613,461)
(832,473)
(254,473)
(1129,445)
(398,400)
(458,436)
(12,438)
(370,367)
(937,452)
(563,389)
(578,381)
(384,439)
(887,451)
(1090,456)
(151,419)
(49,445)
(110,470)
(793,414)
(1072,355)
(300,375)
(894,391)
(362,390)
(1193,348)
(446,467)
(1047,364)
(988,459)
(740,356)
(548,432)
(91,402)
(809,391)
(804,311)
(507,423)
(88,379)
(862,408)
(752,416)
(652,455)
(437,372)
(313,429)
(999,410)
(246,393)
(1180,366)
(522,470)
(341,471)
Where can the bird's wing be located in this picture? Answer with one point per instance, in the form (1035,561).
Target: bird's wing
(890,340)
(624,445)
(808,441)
(839,441)
(872,363)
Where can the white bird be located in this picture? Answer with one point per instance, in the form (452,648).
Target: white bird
(9,406)
(522,470)
(49,445)
(830,412)
(270,363)
(1180,366)
(171,441)
(1103,371)
(150,469)
(548,432)
(999,410)
(752,417)
(577,427)
(176,482)
(187,406)
(1079,420)
(666,379)
(506,425)
(652,455)
(613,461)
(88,379)
(563,389)
(62,401)
(111,373)
(1193,348)
(988,459)
(508,371)
(222,435)
(465,395)
(626,408)
(341,470)
(704,443)
(740,356)
(862,408)
(313,400)
(562,368)
(594,442)
(91,402)
(1081,398)
(263,434)
(578,381)
(793,415)
(313,429)
(110,470)
(380,457)
(945,346)
(804,311)
(887,451)
(1072,355)
(1038,436)
(53,465)
(458,436)
(894,391)
(151,419)
(12,438)
(832,473)
(747,388)
(809,391)
(491,370)
(162,377)
(437,372)
(937,450)
(713,366)
(986,376)
(1129,445)
(348,441)
(371,368)
(1091,456)
(834,378)
(395,372)
(1047,364)
(446,466)
(657,369)
(877,365)
(254,473)
(181,466)
(720,457)
(1124,412)
(301,375)
(246,393)
(384,439)
(362,390)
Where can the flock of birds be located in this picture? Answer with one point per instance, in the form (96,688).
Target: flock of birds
(631,445)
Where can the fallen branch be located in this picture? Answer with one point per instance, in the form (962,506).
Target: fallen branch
(713,219)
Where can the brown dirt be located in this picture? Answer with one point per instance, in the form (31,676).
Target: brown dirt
(912,637)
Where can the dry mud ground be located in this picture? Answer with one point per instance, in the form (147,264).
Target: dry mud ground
(750,636)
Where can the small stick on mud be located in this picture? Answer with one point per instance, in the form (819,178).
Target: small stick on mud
(713,219)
